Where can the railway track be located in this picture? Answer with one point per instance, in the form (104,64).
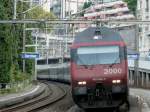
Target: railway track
(57,98)
(52,94)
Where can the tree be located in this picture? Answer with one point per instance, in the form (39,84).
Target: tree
(11,40)
(40,13)
(132,4)
(6,42)
(10,43)
(85,6)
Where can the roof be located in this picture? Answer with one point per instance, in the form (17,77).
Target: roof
(102,33)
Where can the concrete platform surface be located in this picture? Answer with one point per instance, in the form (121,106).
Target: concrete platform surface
(15,98)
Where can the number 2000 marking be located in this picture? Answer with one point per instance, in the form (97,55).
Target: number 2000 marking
(112,71)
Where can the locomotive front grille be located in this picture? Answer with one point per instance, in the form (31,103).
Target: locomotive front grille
(100,93)
(101,96)
(100,90)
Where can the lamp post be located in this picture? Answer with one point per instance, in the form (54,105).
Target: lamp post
(36,36)
(15,5)
(136,62)
(24,38)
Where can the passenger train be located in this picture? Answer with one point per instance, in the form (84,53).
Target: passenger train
(99,69)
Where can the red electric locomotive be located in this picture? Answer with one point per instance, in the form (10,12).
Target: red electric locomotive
(99,69)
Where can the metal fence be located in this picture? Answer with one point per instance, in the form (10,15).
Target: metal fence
(140,80)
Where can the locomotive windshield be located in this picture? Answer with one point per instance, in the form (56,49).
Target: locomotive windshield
(94,55)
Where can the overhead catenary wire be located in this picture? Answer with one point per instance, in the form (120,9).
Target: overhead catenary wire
(74,21)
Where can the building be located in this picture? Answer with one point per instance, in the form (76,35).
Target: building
(102,1)
(73,6)
(110,9)
(55,7)
(65,8)
(50,45)
(143,13)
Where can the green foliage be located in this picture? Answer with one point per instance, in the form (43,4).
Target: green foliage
(11,41)
(18,34)
(132,4)
(85,6)
(11,44)
(17,75)
(29,66)
(6,56)
(39,13)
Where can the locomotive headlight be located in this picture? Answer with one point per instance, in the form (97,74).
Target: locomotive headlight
(116,81)
(82,83)
(79,83)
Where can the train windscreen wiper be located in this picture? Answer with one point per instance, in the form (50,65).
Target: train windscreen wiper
(111,65)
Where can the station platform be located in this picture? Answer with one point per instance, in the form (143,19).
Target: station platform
(16,98)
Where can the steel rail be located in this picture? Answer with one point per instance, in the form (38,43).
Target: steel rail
(38,104)
(24,104)
(74,21)
(53,100)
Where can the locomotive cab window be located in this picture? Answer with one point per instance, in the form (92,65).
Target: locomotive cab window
(94,55)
